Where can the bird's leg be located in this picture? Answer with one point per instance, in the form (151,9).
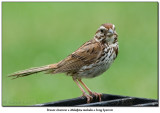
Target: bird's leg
(89,91)
(89,98)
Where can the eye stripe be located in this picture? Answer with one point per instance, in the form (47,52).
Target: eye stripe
(113,27)
(102,27)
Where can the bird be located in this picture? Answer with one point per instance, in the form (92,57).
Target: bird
(90,60)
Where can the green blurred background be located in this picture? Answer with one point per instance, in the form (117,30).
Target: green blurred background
(37,34)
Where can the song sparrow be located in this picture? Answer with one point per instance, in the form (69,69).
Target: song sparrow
(92,59)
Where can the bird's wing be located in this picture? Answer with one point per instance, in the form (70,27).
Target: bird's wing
(88,53)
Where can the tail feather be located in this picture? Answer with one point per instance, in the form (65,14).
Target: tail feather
(30,71)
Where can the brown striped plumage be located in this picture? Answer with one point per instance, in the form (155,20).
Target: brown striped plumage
(92,59)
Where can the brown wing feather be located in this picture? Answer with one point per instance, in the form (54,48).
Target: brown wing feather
(85,55)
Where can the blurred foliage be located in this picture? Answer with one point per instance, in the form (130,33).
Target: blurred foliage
(36,34)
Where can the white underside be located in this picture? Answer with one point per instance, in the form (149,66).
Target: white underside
(96,69)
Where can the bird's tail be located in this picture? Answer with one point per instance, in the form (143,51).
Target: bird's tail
(32,71)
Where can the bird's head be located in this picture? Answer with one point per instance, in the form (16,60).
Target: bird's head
(106,33)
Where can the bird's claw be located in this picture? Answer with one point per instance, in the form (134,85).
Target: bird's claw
(89,97)
(97,95)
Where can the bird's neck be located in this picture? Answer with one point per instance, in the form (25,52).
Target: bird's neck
(104,41)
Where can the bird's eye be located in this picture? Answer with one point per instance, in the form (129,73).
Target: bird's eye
(102,31)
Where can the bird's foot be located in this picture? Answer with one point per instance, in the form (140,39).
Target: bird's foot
(97,95)
(89,97)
